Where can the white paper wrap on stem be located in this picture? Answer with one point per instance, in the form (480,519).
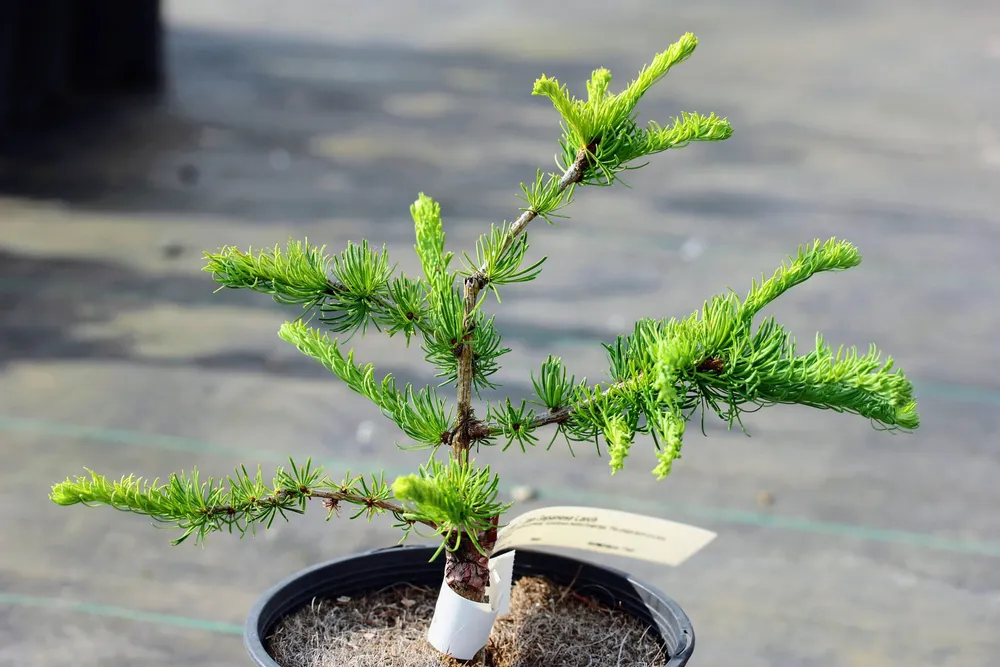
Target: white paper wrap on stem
(460,627)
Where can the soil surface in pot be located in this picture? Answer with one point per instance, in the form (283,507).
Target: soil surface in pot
(548,625)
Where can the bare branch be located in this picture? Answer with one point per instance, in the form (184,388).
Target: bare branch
(558,416)
(474,284)
(330,498)
(572,176)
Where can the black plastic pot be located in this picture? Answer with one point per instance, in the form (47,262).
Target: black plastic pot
(375,570)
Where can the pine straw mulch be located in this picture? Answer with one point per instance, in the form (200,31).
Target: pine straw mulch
(548,625)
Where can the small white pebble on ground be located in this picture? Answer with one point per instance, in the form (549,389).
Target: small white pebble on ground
(365,431)
(692,249)
(522,493)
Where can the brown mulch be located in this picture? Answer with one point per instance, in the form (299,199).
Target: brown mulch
(548,625)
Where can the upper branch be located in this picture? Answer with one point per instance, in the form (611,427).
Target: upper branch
(361,292)
(600,139)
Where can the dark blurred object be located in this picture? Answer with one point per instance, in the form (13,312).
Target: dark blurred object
(55,53)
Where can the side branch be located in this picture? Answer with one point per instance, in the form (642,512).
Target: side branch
(482,430)
(559,416)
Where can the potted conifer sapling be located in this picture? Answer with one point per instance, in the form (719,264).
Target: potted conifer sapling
(661,374)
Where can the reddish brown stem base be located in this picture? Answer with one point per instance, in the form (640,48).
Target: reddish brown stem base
(466,570)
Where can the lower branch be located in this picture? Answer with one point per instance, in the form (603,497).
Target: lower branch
(200,508)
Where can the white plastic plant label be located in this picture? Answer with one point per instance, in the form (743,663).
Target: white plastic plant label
(605,531)
(460,627)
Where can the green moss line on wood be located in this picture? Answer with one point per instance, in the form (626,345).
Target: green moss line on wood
(556,494)
(111,611)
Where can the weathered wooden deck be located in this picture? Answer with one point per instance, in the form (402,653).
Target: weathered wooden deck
(879,126)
